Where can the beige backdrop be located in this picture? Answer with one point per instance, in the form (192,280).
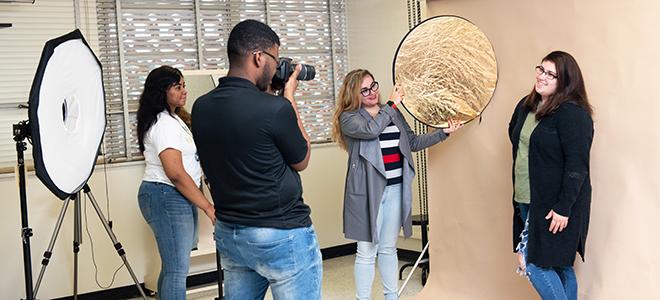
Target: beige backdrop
(616,44)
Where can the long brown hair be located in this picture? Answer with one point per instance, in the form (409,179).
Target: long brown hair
(154,98)
(349,100)
(184,115)
(570,86)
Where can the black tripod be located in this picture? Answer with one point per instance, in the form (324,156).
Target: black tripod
(221,273)
(20,133)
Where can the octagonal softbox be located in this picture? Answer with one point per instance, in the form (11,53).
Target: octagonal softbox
(66,114)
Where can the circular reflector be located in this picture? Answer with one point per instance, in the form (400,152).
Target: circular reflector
(66,114)
(447,69)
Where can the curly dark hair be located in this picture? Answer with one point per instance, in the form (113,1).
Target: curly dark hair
(247,36)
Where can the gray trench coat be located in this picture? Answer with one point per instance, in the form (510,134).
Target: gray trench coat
(365,178)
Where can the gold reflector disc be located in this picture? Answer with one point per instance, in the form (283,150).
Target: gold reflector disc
(447,69)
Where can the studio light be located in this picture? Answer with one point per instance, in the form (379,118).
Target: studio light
(66,125)
(66,114)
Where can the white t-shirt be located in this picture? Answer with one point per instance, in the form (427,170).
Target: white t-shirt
(169,131)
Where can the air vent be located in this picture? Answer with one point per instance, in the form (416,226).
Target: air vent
(17,1)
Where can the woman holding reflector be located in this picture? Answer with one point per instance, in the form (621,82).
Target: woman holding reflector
(378,192)
(170,191)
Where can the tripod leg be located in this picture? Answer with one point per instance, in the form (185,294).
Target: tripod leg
(20,133)
(221,277)
(77,240)
(413,270)
(49,252)
(118,246)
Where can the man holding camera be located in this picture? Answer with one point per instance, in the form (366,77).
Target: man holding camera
(252,145)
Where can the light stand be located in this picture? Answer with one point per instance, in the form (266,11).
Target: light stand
(77,240)
(221,273)
(221,277)
(77,198)
(419,259)
(20,133)
(67,122)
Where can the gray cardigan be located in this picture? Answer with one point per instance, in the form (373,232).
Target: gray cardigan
(365,179)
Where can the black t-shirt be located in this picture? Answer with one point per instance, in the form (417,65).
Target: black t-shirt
(246,140)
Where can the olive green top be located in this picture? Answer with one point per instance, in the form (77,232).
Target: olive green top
(521,168)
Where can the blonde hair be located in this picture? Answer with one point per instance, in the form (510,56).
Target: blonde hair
(349,100)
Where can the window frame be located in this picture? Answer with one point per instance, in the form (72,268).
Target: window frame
(321,118)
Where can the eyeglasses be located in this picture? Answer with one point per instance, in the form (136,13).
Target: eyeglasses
(277,61)
(541,71)
(371,89)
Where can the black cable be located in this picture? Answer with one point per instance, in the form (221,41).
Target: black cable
(408,4)
(419,13)
(414,18)
(91,244)
(418,164)
(107,193)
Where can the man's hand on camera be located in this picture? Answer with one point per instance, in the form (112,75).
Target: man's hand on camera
(292,84)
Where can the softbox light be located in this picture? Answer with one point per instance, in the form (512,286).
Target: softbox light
(66,114)
(447,68)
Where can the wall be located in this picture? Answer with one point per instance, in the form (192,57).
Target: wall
(616,45)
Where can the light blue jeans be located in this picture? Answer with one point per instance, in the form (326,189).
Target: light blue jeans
(289,260)
(172,218)
(552,283)
(388,225)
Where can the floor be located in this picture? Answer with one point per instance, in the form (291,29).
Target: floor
(337,282)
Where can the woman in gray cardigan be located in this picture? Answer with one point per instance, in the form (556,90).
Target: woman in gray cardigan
(378,191)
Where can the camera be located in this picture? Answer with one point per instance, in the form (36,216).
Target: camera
(285,69)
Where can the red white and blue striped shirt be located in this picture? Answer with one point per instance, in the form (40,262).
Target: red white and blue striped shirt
(389,146)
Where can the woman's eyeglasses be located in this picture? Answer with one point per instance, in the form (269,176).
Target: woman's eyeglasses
(371,89)
(540,70)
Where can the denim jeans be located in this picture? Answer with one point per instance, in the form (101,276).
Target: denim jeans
(552,283)
(253,258)
(172,218)
(388,225)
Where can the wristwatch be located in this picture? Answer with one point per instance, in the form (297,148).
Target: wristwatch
(391,104)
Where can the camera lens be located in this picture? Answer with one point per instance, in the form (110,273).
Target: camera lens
(307,72)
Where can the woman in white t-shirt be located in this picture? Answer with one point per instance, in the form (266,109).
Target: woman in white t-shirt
(170,191)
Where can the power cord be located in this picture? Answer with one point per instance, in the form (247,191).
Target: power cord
(96,269)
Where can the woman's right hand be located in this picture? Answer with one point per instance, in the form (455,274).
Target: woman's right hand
(397,94)
(453,126)
(210,213)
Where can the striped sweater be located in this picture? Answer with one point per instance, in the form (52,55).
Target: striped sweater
(389,145)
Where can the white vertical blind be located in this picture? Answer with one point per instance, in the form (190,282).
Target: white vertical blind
(160,32)
(20,50)
(157,32)
(305,35)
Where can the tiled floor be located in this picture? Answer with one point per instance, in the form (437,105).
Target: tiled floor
(337,282)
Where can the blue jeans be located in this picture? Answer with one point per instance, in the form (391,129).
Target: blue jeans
(552,283)
(172,218)
(289,260)
(388,225)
